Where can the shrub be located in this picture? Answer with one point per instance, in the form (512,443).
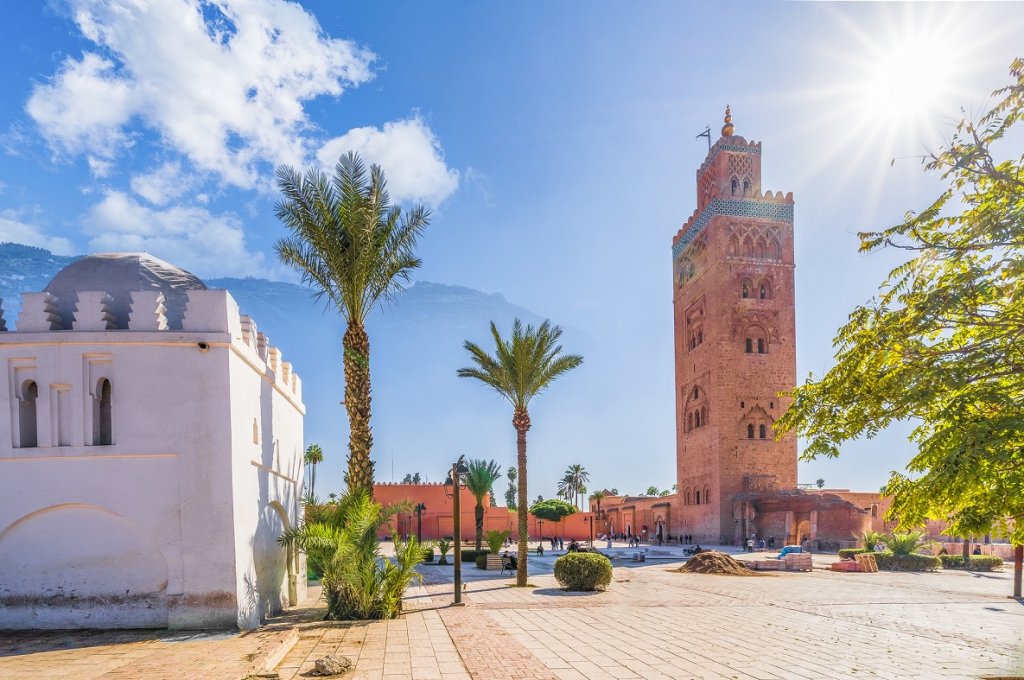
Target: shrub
(583,571)
(496,539)
(470,555)
(443,546)
(428,555)
(906,544)
(848,553)
(913,562)
(481,561)
(976,563)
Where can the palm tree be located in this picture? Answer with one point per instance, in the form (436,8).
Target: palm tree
(565,489)
(314,456)
(356,249)
(479,480)
(576,477)
(597,497)
(521,368)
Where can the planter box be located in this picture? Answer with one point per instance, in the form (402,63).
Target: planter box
(493,562)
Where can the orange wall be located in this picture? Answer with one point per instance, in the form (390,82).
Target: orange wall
(438,518)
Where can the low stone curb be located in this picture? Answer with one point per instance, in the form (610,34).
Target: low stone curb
(269,654)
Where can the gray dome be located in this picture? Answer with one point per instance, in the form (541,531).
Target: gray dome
(119,275)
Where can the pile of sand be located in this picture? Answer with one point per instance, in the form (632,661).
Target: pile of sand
(712,562)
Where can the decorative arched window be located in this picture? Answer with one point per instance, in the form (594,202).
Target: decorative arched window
(761,349)
(746,290)
(746,186)
(750,345)
(102,415)
(696,392)
(762,431)
(688,497)
(764,292)
(735,185)
(697,496)
(707,495)
(696,418)
(750,431)
(27,429)
(704,415)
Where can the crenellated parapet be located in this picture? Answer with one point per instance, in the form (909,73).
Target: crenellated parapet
(39,312)
(212,311)
(149,311)
(93,312)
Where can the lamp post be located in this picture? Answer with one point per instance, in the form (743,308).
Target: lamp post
(452,488)
(420,509)
(540,529)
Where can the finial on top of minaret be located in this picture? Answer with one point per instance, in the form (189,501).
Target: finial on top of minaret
(728,129)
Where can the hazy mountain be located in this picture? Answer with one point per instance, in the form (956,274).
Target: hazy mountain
(424,416)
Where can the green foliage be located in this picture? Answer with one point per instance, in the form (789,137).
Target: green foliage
(551,510)
(481,561)
(651,491)
(313,456)
(940,344)
(443,546)
(496,539)
(869,539)
(470,555)
(975,563)
(428,554)
(510,492)
(583,571)
(848,553)
(907,543)
(572,486)
(888,561)
(340,541)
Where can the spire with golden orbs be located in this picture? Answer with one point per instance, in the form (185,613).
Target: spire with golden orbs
(728,130)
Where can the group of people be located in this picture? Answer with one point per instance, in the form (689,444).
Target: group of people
(760,544)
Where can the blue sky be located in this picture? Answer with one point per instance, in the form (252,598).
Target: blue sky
(553,141)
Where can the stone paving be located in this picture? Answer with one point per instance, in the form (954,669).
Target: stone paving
(651,623)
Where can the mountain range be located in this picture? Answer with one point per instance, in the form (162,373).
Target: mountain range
(423,415)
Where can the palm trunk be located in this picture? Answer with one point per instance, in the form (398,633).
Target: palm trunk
(357,403)
(479,523)
(521,421)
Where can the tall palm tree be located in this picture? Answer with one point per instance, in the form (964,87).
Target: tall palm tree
(565,489)
(356,249)
(479,480)
(521,368)
(577,478)
(314,456)
(597,497)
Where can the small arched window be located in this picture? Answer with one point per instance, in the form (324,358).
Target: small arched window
(762,431)
(763,292)
(696,418)
(27,429)
(696,393)
(704,415)
(102,420)
(735,185)
(707,495)
(697,497)
(688,498)
(746,186)
(750,345)
(750,431)
(746,290)
(760,346)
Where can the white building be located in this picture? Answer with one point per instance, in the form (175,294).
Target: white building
(150,455)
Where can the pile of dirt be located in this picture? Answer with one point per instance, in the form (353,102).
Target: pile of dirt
(712,562)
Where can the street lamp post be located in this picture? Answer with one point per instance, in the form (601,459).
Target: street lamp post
(540,529)
(452,488)
(420,509)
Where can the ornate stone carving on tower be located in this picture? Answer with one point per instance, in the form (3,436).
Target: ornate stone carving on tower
(735,339)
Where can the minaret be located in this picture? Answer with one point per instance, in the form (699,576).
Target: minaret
(735,333)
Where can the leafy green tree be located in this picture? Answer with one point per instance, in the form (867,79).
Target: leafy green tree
(355,249)
(416,479)
(479,480)
(521,368)
(940,345)
(510,492)
(314,456)
(820,483)
(552,510)
(651,491)
(340,542)
(614,492)
(407,479)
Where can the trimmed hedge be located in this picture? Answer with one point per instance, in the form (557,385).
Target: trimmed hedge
(976,563)
(886,560)
(481,561)
(470,555)
(848,553)
(428,555)
(583,571)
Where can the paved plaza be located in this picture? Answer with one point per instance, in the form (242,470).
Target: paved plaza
(651,623)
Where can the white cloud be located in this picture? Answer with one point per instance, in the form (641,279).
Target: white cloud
(13,229)
(164,184)
(194,238)
(408,152)
(221,82)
